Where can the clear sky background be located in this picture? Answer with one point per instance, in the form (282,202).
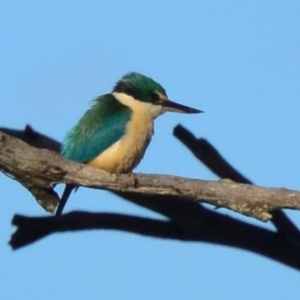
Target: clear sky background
(236,60)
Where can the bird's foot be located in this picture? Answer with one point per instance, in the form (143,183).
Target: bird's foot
(133,179)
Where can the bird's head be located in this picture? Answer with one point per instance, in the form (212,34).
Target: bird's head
(148,91)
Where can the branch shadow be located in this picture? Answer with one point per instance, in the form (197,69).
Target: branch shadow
(186,220)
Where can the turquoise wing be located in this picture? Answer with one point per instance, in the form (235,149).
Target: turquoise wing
(100,127)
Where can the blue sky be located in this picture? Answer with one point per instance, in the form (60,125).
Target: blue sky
(236,60)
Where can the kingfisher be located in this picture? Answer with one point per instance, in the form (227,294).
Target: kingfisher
(115,132)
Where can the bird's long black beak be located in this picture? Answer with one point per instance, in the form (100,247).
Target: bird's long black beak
(176,107)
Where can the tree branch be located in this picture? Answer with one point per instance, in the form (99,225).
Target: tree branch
(212,159)
(41,169)
(188,219)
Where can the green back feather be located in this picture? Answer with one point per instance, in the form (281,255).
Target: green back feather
(100,127)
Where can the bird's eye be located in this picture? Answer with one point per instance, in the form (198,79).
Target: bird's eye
(155,97)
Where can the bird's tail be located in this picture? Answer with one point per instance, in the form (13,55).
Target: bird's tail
(64,198)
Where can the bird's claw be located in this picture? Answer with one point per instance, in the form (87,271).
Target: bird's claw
(133,179)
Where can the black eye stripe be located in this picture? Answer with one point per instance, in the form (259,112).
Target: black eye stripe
(155,97)
(122,87)
(145,96)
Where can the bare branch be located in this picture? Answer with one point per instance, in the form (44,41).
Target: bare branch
(188,220)
(41,169)
(211,158)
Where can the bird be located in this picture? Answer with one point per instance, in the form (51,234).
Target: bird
(115,132)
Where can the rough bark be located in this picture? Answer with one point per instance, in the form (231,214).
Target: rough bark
(40,170)
(178,199)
